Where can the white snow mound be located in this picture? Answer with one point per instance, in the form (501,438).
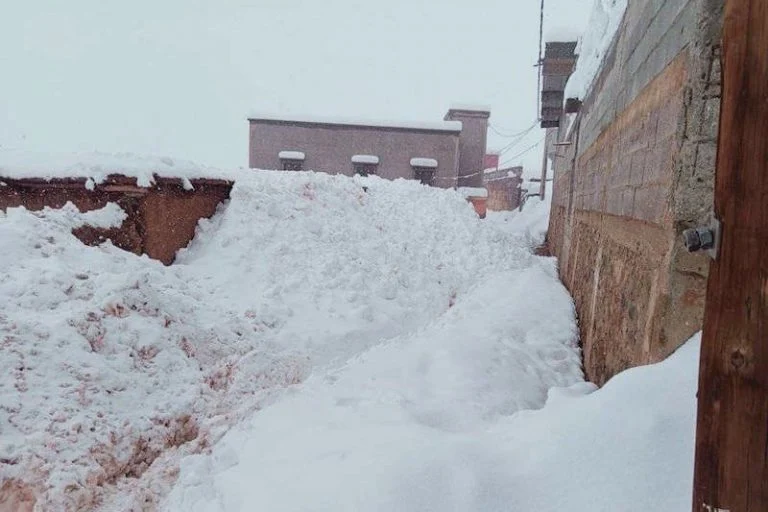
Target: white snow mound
(113,366)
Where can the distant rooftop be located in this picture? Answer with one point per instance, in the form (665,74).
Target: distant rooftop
(443,126)
(470,107)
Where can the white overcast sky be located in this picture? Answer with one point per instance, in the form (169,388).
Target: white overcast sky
(178,77)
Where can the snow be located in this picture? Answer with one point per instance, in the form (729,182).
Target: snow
(471,106)
(569,124)
(318,347)
(113,364)
(291,155)
(473,191)
(533,187)
(423,162)
(603,24)
(377,436)
(447,126)
(365,159)
(21,164)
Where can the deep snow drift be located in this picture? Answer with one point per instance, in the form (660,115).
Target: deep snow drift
(112,366)
(350,441)
(319,347)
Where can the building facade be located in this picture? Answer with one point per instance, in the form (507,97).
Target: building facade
(445,154)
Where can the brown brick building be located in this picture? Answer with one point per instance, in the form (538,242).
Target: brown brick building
(446,154)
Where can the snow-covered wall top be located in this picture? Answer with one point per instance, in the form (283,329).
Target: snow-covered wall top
(365,159)
(447,126)
(470,107)
(603,24)
(423,162)
(291,155)
(473,191)
(16,164)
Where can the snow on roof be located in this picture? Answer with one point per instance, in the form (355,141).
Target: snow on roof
(445,126)
(470,106)
(601,29)
(365,159)
(291,155)
(423,162)
(473,191)
(96,167)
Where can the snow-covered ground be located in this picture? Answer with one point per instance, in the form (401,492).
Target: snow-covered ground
(320,347)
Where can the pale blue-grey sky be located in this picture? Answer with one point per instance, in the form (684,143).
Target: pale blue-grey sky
(178,77)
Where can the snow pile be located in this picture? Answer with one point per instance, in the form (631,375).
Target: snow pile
(395,430)
(112,366)
(603,23)
(20,164)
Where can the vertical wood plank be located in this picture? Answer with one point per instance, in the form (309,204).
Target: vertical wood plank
(731,468)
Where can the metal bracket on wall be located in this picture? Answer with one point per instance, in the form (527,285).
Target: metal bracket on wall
(704,238)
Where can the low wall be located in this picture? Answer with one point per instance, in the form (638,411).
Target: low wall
(161,218)
(503,194)
(503,187)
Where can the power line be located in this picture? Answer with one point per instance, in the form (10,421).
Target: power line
(499,131)
(539,62)
(523,152)
(519,139)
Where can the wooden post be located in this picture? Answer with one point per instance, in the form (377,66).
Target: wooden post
(731,470)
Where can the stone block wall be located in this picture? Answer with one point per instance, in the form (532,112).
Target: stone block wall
(638,170)
(503,193)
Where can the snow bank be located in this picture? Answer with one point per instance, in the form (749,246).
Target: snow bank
(378,436)
(18,164)
(603,23)
(112,366)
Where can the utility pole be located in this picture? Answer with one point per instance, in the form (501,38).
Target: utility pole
(731,469)
(543,187)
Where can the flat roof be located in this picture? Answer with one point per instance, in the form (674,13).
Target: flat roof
(436,126)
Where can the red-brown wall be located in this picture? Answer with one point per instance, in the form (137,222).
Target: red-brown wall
(161,219)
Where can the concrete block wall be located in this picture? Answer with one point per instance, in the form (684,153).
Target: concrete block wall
(638,170)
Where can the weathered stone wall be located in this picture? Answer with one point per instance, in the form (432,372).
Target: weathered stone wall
(161,219)
(503,193)
(638,170)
